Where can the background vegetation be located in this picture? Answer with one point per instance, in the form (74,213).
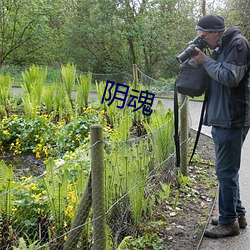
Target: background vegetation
(98,36)
(104,36)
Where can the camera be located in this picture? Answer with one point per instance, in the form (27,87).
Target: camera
(190,51)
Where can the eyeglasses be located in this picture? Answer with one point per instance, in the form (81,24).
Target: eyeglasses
(203,36)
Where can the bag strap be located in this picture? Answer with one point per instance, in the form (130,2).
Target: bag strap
(199,127)
(176,126)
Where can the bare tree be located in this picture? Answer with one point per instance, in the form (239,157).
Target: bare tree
(20,22)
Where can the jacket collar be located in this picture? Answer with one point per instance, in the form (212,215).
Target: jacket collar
(231,32)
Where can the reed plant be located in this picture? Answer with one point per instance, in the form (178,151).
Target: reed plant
(48,97)
(34,80)
(56,184)
(83,90)
(5,90)
(68,75)
(126,173)
(125,181)
(6,184)
(137,177)
(62,106)
(100,88)
(160,127)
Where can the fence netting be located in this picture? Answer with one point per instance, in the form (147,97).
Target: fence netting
(55,203)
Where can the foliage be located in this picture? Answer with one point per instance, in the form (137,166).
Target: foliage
(34,81)
(46,205)
(147,241)
(5,89)
(68,74)
(22,245)
(116,34)
(43,137)
(30,204)
(23,28)
(161,125)
(6,184)
(51,200)
(83,90)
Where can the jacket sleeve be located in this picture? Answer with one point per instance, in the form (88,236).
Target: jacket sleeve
(234,66)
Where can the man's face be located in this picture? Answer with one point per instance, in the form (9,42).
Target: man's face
(211,38)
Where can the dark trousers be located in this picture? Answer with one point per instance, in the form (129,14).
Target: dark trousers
(228,145)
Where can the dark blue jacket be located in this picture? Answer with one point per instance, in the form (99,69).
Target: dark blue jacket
(229,90)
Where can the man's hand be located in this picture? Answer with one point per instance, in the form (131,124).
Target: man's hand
(200,58)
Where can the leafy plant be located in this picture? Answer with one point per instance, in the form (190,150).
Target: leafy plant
(6,184)
(68,74)
(165,190)
(147,241)
(83,90)
(22,245)
(34,81)
(161,125)
(5,90)
(30,208)
(48,98)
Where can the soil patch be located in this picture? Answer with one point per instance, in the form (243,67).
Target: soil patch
(190,205)
(25,164)
(180,220)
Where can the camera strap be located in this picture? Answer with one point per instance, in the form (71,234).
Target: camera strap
(199,127)
(176,126)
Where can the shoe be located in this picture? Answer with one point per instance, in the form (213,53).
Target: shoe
(241,219)
(221,231)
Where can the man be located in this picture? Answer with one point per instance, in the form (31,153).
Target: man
(228,112)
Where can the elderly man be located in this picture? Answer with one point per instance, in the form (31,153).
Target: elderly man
(228,112)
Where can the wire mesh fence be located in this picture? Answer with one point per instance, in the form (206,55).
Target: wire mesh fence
(42,210)
(55,210)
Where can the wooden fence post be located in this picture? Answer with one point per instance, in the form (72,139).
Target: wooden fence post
(135,75)
(80,218)
(98,194)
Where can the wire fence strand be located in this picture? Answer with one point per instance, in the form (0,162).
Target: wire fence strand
(48,203)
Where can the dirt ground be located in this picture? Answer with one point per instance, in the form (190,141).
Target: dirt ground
(188,208)
(187,222)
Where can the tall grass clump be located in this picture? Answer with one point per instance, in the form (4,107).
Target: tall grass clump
(68,74)
(161,128)
(5,90)
(83,91)
(34,80)
(48,98)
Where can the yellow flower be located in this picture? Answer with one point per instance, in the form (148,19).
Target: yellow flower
(45,151)
(69,211)
(38,155)
(17,152)
(73,199)
(6,132)
(14,209)
(31,187)
(37,196)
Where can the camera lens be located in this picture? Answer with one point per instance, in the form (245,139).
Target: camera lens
(187,53)
(190,51)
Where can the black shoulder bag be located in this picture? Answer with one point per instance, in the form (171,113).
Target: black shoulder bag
(191,81)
